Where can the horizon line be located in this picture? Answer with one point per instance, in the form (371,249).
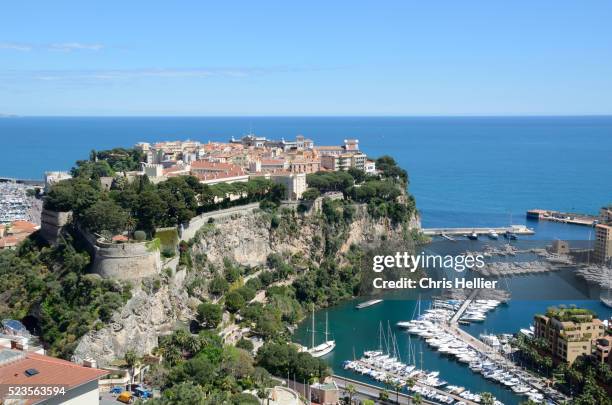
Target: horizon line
(574,115)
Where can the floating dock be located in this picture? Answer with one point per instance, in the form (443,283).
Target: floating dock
(448,232)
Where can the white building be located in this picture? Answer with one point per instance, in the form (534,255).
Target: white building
(370,167)
(295,184)
(53,177)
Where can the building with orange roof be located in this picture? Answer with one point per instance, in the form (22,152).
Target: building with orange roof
(61,381)
(16,232)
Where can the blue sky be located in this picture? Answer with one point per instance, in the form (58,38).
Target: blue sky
(307,58)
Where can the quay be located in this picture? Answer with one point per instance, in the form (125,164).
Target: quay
(452,327)
(564,217)
(372,390)
(447,232)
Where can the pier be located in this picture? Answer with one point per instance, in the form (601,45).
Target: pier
(449,232)
(563,217)
(463,307)
(452,328)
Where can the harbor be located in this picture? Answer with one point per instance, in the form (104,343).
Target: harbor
(357,332)
(17,204)
(438,326)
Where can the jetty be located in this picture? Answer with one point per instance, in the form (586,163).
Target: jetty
(466,303)
(449,232)
(563,217)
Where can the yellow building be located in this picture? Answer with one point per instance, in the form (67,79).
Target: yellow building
(569,333)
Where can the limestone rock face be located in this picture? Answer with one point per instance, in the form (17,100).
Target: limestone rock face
(136,327)
(247,239)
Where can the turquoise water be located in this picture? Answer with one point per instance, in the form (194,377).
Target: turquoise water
(357,330)
(464,172)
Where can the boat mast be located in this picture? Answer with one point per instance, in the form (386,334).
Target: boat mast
(326,328)
(313,330)
(380,336)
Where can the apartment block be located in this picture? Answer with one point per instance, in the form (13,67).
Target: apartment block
(569,333)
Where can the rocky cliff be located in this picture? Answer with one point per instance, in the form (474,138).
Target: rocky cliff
(150,312)
(247,239)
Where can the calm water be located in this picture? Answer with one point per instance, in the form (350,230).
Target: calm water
(464,172)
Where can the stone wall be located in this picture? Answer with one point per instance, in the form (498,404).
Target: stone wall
(52,223)
(125,261)
(196,223)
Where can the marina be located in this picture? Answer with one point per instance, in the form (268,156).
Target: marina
(16,204)
(356,332)
(487,355)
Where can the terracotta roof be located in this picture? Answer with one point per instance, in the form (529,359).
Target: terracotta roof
(51,371)
(272,161)
(18,231)
(329,147)
(213,166)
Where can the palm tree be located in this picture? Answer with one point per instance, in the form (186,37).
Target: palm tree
(351,390)
(486,398)
(397,386)
(131,360)
(417,399)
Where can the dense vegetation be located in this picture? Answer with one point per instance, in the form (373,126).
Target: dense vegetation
(139,204)
(384,193)
(588,381)
(50,289)
(199,369)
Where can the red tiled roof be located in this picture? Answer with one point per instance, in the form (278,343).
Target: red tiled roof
(213,166)
(272,161)
(51,371)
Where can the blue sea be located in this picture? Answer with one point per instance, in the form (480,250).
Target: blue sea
(468,171)
(463,171)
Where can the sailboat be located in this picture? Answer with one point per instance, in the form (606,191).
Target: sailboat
(325,347)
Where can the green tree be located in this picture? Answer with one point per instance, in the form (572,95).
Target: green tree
(209,315)
(234,301)
(105,215)
(131,360)
(245,344)
(350,390)
(218,285)
(310,194)
(486,398)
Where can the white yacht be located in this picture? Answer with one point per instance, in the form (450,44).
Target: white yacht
(325,347)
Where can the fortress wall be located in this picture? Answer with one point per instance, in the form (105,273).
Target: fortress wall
(196,223)
(126,261)
(52,223)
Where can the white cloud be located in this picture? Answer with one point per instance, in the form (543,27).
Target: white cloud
(60,46)
(14,46)
(74,46)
